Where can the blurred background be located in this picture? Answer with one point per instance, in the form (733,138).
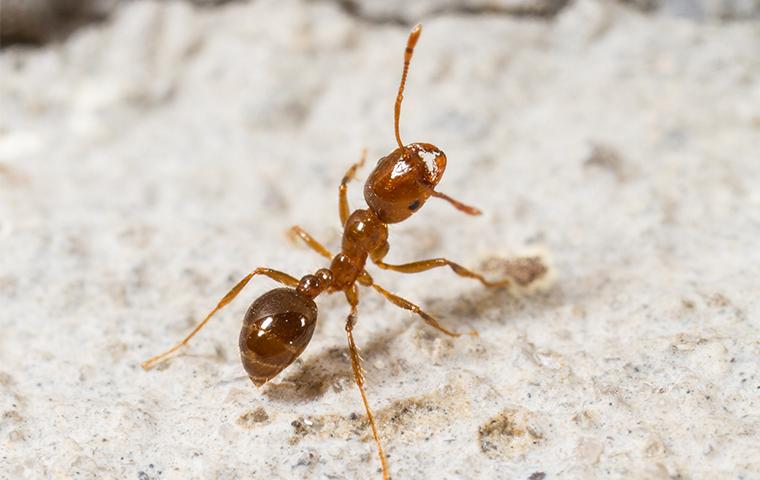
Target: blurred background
(153,152)
(40,21)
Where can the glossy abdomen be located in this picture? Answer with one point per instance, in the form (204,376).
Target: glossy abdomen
(276,329)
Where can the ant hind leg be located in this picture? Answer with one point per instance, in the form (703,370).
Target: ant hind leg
(352,296)
(407,305)
(275,275)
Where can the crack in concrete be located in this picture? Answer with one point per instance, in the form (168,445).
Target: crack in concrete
(543,10)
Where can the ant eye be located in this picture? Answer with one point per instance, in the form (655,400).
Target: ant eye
(414,205)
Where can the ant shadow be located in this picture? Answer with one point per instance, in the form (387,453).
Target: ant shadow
(488,306)
(314,376)
(331,369)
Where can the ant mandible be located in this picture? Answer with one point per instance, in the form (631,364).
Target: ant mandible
(279,324)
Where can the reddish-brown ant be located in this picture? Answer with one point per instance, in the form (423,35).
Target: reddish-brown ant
(279,324)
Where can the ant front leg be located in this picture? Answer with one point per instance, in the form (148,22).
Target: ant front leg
(343,208)
(275,275)
(352,296)
(296,231)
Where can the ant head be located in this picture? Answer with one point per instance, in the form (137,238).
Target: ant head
(403,181)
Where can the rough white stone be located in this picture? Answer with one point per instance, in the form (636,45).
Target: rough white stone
(149,162)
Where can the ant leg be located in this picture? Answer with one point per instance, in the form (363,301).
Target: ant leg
(365,279)
(469,210)
(343,189)
(352,296)
(299,232)
(278,276)
(407,305)
(424,265)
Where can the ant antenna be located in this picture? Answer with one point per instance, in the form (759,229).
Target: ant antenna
(414,35)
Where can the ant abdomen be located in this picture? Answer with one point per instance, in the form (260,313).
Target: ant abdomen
(276,329)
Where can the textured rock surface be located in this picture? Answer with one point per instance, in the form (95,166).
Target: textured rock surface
(147,163)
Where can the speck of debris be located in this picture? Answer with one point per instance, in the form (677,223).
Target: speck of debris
(718,300)
(303,427)
(142,476)
(305,460)
(608,158)
(508,433)
(537,476)
(252,417)
(524,271)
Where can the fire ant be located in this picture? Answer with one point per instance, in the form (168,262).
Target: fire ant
(278,326)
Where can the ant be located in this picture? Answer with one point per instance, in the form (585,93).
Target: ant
(279,325)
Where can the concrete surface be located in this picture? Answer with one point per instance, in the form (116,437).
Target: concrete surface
(148,162)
